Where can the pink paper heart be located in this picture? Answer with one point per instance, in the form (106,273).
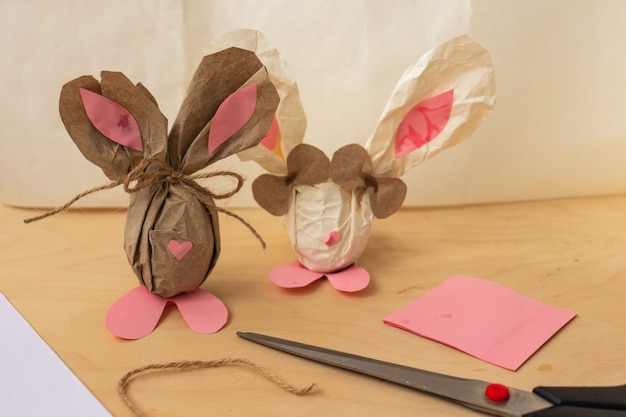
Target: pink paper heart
(179,249)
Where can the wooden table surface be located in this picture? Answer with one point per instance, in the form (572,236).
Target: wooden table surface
(63,273)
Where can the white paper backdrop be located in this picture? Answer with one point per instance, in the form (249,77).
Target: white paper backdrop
(559,127)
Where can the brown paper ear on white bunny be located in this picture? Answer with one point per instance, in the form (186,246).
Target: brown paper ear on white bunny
(306,165)
(230,97)
(113,122)
(289,124)
(438,102)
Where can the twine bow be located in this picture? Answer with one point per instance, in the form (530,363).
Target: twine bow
(150,172)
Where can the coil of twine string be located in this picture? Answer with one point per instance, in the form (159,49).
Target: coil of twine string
(122,387)
(150,172)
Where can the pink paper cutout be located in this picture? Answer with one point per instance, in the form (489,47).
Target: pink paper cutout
(293,275)
(351,279)
(135,314)
(232,115)
(179,249)
(112,119)
(332,238)
(483,319)
(271,139)
(423,123)
(202,311)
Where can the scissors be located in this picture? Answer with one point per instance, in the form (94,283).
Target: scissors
(489,398)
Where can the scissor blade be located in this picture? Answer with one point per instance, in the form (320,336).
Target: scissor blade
(468,392)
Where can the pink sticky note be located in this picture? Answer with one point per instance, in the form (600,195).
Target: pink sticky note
(483,319)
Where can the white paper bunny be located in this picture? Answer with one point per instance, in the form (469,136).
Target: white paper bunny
(329,205)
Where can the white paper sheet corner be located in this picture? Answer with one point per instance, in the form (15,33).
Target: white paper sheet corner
(35,381)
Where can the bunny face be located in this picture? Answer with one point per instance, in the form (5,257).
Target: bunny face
(329,205)
(328,225)
(172,238)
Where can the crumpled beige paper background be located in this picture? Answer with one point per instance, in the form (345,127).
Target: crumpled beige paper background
(558,128)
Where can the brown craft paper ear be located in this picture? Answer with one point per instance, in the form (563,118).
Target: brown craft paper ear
(115,160)
(208,89)
(272,193)
(387,196)
(351,167)
(306,165)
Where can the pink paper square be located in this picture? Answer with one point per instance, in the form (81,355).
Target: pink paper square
(483,319)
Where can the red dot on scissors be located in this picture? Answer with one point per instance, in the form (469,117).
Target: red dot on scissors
(497,393)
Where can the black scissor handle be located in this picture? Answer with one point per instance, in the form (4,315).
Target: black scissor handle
(573,411)
(583,401)
(593,397)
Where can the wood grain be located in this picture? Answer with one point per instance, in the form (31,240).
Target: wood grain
(64,272)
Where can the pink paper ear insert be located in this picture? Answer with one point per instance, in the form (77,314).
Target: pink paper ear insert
(112,119)
(232,115)
(273,136)
(483,319)
(423,123)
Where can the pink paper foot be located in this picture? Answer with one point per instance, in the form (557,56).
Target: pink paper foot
(351,279)
(293,275)
(203,312)
(135,314)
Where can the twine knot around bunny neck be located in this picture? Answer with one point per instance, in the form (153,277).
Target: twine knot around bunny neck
(153,172)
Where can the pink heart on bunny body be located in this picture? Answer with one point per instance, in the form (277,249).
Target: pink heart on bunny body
(179,249)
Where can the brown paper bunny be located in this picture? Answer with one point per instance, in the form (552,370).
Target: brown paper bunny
(172,237)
